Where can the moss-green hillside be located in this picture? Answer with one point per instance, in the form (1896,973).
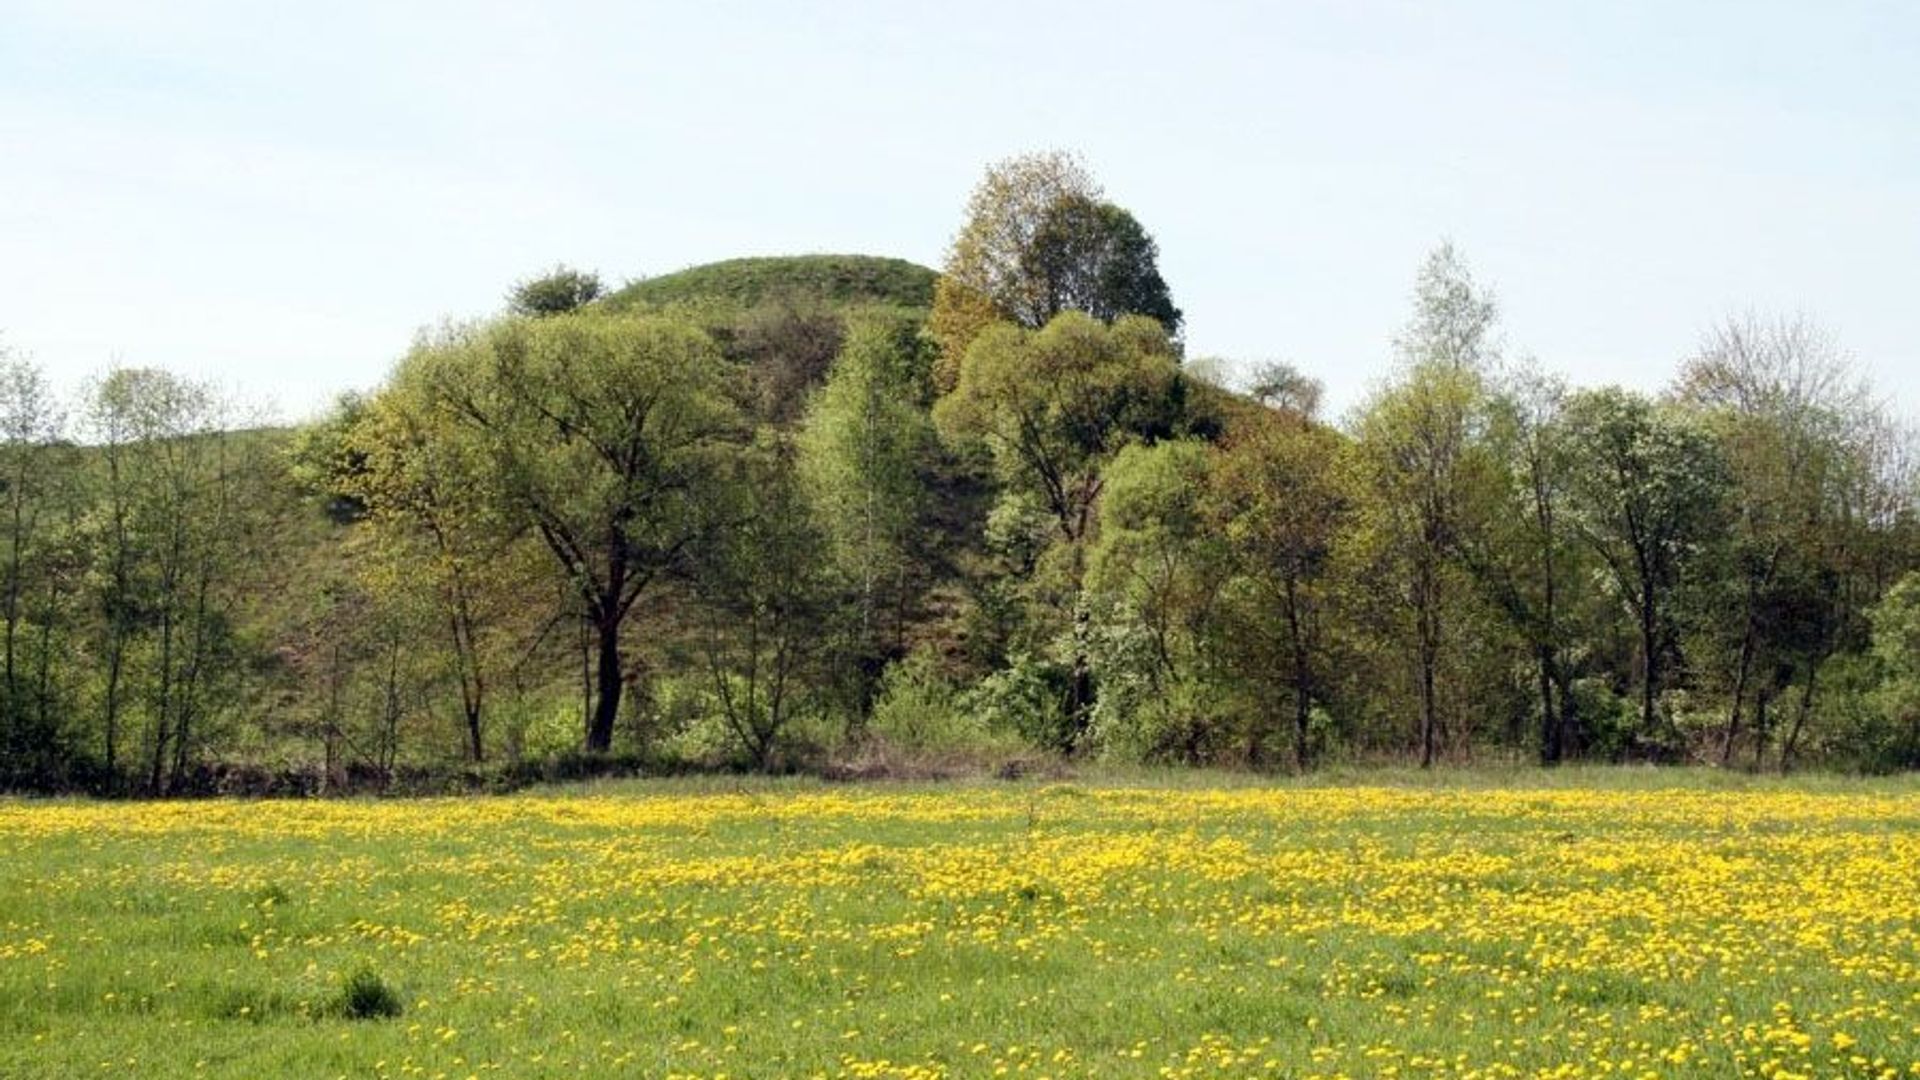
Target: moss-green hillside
(837,280)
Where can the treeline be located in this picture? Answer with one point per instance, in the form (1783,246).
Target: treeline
(799,532)
(134,530)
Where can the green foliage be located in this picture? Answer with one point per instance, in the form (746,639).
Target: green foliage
(1280,504)
(1896,649)
(735,517)
(920,708)
(862,449)
(364,995)
(604,436)
(764,627)
(1417,473)
(1026,697)
(1051,405)
(557,292)
(324,461)
(1157,567)
(1647,495)
(1453,316)
(1039,240)
(837,280)
(1093,256)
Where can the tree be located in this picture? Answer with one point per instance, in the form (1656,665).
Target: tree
(178,530)
(784,348)
(1279,504)
(1788,412)
(33,485)
(1866,541)
(1896,649)
(1415,442)
(767,605)
(1412,449)
(425,493)
(557,292)
(1038,240)
(601,435)
(1094,257)
(1154,572)
(324,462)
(1279,385)
(861,448)
(1520,550)
(1453,316)
(1647,491)
(1053,405)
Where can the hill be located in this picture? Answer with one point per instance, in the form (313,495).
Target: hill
(837,280)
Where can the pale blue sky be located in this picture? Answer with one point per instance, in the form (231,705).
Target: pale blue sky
(275,196)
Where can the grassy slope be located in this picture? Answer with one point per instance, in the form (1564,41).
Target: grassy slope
(1126,930)
(837,280)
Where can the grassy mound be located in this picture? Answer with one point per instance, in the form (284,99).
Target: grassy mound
(836,280)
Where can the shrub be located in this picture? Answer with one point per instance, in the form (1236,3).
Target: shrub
(1026,698)
(364,995)
(920,709)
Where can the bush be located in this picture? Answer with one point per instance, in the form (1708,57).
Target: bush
(920,709)
(364,995)
(1025,698)
(1605,721)
(1858,722)
(1185,722)
(1143,714)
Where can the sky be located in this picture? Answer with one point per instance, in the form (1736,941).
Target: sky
(277,197)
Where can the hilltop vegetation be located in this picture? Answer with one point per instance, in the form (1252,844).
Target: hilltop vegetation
(832,513)
(833,280)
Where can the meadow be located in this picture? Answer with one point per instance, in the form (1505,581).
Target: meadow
(1575,925)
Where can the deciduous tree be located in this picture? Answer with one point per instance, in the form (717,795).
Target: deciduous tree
(601,435)
(1039,239)
(1648,491)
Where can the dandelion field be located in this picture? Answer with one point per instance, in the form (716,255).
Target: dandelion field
(1597,929)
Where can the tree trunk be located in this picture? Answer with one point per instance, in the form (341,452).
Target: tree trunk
(1799,717)
(1427,618)
(190,680)
(474,746)
(1302,715)
(1077,704)
(115,660)
(1571,745)
(472,684)
(466,650)
(1760,726)
(14,586)
(1302,680)
(1650,670)
(607,683)
(1428,725)
(165,697)
(43,677)
(1742,674)
(1550,729)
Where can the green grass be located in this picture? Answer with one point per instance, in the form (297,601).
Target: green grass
(837,280)
(1485,923)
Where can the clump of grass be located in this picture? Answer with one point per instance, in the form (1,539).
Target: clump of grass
(270,895)
(247,1003)
(364,995)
